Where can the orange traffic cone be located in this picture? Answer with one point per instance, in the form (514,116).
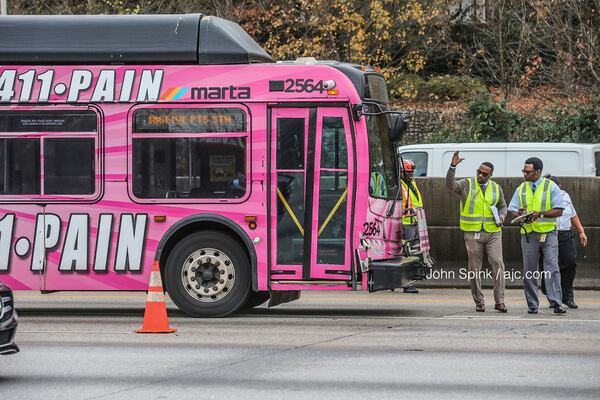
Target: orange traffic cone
(155,316)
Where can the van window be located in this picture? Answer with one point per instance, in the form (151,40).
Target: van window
(420,160)
(474,158)
(597,163)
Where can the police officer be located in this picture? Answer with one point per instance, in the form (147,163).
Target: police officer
(482,232)
(566,246)
(412,200)
(542,198)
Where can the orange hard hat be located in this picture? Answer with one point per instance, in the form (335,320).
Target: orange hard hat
(409,166)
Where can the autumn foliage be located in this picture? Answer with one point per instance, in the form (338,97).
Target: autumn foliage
(429,50)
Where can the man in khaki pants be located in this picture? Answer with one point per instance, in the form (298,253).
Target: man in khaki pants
(480,199)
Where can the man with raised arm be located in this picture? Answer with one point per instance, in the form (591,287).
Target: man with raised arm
(541,198)
(482,213)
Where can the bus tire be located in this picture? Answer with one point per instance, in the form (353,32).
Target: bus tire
(208,275)
(257,298)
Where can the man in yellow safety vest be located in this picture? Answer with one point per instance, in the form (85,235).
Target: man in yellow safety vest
(482,213)
(540,199)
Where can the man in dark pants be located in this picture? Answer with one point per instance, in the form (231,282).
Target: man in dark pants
(566,247)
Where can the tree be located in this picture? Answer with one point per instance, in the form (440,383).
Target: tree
(500,46)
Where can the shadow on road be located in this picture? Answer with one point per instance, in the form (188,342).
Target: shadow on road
(257,312)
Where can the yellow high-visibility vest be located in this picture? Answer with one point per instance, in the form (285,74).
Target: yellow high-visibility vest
(377,185)
(476,213)
(538,201)
(410,199)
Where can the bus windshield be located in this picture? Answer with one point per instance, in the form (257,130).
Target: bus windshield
(383,183)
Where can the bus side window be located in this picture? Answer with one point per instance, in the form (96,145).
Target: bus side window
(69,166)
(189,168)
(19,166)
(420,159)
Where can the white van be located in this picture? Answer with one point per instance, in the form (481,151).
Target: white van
(560,159)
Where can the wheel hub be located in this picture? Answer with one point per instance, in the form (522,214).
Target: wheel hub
(208,275)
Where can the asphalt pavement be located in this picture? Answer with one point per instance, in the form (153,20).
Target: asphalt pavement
(327,345)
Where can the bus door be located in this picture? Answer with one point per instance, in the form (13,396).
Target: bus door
(311,193)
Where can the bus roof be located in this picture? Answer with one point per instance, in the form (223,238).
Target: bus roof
(126,39)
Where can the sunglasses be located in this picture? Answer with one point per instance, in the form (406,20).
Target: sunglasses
(480,172)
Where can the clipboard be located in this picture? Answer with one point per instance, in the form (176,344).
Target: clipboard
(496,215)
(522,218)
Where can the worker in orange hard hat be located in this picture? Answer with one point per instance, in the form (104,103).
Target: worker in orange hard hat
(411,200)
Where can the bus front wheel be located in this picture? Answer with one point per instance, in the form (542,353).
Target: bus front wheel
(208,275)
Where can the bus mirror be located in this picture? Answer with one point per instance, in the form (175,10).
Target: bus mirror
(397,127)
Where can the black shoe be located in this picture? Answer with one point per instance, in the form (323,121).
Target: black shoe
(410,289)
(530,311)
(500,307)
(552,304)
(559,310)
(571,304)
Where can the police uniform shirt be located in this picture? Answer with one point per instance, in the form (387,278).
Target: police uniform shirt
(563,223)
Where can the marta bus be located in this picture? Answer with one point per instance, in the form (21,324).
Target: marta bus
(177,138)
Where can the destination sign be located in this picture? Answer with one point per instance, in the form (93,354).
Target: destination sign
(189,120)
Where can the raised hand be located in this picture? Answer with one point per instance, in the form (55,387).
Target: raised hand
(456,159)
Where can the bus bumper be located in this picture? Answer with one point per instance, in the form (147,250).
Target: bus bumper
(396,273)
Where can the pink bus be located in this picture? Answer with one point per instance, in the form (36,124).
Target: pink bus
(129,139)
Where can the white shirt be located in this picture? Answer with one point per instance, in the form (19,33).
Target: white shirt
(563,223)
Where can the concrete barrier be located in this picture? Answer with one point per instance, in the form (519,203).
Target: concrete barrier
(447,244)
